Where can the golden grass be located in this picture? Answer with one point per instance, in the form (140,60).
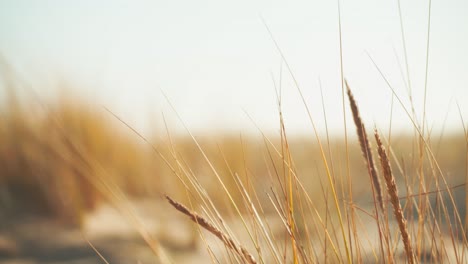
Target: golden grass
(66,157)
(311,232)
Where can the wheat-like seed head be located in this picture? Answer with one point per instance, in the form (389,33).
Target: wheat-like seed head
(394,199)
(365,147)
(239,249)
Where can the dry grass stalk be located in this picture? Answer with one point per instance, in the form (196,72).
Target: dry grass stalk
(240,250)
(394,199)
(365,147)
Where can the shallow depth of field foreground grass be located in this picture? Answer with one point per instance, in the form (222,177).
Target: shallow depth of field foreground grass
(407,209)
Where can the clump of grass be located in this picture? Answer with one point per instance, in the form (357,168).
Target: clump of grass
(43,174)
(310,234)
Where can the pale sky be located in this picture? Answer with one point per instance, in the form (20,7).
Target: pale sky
(216,61)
